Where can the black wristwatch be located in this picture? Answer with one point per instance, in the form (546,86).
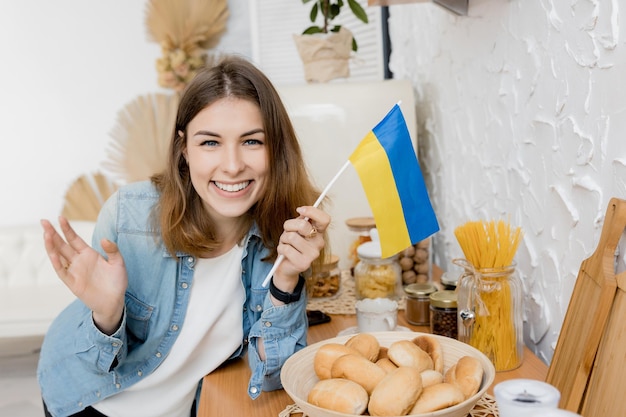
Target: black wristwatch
(287,297)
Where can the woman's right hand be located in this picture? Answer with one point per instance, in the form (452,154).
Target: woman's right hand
(100,283)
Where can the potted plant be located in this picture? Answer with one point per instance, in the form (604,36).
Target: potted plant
(325,48)
(330,9)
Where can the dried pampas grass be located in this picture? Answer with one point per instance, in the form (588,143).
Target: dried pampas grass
(142,137)
(187,23)
(185,30)
(86,195)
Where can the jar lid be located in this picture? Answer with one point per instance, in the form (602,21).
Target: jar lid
(369,250)
(372,250)
(419,290)
(448,278)
(330,262)
(443,299)
(361,224)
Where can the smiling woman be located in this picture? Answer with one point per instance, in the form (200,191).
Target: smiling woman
(228,164)
(172,284)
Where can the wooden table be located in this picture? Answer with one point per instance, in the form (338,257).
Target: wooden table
(224,392)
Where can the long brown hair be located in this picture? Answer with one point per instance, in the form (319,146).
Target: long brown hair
(182,218)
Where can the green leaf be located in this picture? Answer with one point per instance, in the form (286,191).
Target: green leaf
(336,28)
(358,11)
(312,29)
(334,11)
(355,47)
(305,1)
(313,14)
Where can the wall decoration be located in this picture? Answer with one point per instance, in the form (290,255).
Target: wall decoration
(86,195)
(185,30)
(141,137)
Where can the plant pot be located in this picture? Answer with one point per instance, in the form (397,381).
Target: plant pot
(325,56)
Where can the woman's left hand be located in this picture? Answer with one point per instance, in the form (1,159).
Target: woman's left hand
(300,244)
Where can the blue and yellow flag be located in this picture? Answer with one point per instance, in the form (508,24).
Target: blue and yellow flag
(394,185)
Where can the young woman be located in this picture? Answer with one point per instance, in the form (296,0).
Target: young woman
(172,285)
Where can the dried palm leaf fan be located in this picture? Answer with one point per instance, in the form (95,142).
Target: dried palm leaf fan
(142,137)
(185,30)
(86,195)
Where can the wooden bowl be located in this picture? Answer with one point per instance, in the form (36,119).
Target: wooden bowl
(298,376)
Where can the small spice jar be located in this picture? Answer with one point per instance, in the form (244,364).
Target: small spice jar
(443,310)
(417,310)
(374,276)
(360,227)
(325,279)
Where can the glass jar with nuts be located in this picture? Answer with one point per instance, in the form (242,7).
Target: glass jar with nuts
(416,262)
(325,279)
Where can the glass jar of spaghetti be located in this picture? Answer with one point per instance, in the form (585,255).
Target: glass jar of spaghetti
(374,276)
(490,313)
(360,227)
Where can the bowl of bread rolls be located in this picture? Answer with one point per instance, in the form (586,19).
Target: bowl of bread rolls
(388,374)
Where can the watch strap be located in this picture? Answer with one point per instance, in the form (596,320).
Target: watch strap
(287,297)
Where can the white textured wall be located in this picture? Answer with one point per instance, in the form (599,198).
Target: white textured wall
(521,108)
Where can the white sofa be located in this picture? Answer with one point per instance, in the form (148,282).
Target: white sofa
(31,294)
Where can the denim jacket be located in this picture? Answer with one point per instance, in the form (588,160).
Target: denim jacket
(79,365)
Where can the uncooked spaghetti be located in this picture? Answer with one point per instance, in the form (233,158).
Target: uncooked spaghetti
(490,248)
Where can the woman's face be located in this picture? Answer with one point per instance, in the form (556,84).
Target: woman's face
(227,157)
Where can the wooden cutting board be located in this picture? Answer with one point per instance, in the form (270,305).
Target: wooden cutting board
(590,311)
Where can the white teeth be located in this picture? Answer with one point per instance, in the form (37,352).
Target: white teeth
(232,187)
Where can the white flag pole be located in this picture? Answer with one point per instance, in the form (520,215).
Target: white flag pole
(317,203)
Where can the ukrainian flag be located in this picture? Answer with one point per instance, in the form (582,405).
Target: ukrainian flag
(394,185)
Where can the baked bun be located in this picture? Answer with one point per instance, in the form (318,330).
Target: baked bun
(357,368)
(382,352)
(437,397)
(431,377)
(326,356)
(341,395)
(466,374)
(431,346)
(366,344)
(407,353)
(396,393)
(386,364)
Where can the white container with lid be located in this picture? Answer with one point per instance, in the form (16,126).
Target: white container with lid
(525,397)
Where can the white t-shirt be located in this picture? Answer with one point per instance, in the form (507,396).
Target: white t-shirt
(212,331)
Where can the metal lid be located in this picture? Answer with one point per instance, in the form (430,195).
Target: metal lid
(449,278)
(419,290)
(443,299)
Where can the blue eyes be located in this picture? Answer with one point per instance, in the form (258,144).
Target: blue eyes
(249,142)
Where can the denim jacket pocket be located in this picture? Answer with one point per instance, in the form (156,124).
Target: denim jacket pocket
(138,316)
